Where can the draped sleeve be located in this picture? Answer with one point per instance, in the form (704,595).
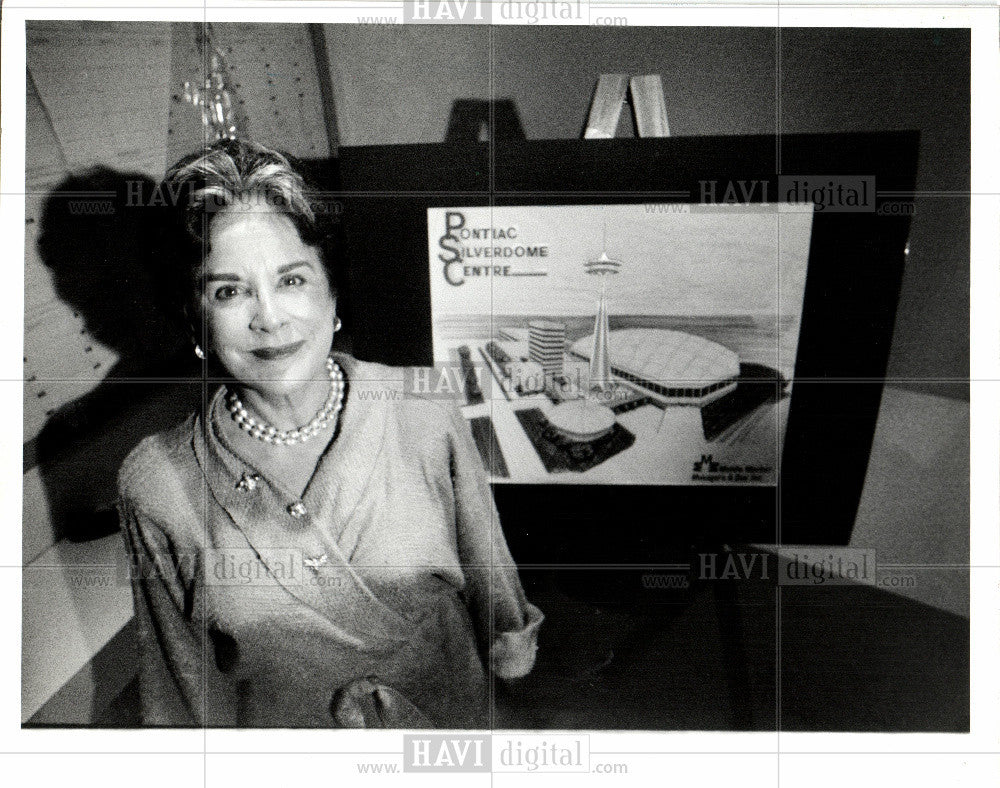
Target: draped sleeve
(503,616)
(179,683)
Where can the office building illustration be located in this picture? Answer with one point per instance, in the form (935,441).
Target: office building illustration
(546,345)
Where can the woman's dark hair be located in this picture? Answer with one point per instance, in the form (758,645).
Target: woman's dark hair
(229,173)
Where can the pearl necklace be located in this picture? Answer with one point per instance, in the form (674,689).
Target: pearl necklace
(261,430)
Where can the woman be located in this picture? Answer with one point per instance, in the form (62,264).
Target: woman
(314,547)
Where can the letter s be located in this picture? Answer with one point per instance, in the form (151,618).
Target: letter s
(453,220)
(453,259)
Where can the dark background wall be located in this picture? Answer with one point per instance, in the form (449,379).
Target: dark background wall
(716,81)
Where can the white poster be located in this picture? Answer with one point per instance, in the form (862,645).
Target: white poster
(621,344)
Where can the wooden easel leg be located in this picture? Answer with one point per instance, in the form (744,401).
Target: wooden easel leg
(606,107)
(648,106)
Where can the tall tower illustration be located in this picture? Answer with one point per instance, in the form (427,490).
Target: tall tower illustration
(589,418)
(600,362)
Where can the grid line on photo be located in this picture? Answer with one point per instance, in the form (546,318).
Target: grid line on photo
(493,448)
(778,675)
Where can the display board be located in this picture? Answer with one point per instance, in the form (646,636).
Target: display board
(645,325)
(622,344)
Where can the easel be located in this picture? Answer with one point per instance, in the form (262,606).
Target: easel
(650,112)
(648,106)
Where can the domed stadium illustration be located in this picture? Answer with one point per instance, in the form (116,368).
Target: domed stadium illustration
(677,367)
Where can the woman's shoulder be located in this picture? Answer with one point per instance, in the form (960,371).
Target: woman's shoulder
(160,467)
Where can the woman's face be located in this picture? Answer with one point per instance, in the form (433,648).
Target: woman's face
(267,302)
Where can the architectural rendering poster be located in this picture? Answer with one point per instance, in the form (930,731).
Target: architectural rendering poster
(621,344)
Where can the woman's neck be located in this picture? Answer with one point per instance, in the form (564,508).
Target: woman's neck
(287,410)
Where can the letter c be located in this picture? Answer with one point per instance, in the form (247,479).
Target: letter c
(447,273)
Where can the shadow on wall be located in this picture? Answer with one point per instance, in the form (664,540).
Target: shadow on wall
(471,120)
(102,261)
(100,247)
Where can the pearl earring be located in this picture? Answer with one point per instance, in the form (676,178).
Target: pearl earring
(336,325)
(199,352)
